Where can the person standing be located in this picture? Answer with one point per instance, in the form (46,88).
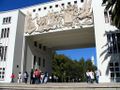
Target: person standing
(88,76)
(31,77)
(91,73)
(25,75)
(12,77)
(19,77)
(45,78)
(97,74)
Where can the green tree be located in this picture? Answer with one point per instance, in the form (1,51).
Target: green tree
(113,6)
(70,70)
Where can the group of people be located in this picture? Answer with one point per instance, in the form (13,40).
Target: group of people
(36,77)
(20,78)
(93,76)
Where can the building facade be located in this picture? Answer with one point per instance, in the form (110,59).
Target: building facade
(29,36)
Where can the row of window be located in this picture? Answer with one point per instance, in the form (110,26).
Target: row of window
(5,32)
(2,73)
(3,52)
(69,3)
(38,62)
(6,20)
(39,45)
(113,40)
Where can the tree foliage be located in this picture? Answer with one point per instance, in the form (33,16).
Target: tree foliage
(68,70)
(113,6)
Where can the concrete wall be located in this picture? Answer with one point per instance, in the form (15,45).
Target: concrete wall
(32,51)
(18,44)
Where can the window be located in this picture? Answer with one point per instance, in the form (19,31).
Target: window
(34,62)
(5,32)
(34,10)
(111,69)
(69,3)
(6,20)
(50,7)
(82,0)
(43,62)
(39,9)
(62,4)
(112,74)
(44,48)
(116,64)
(45,8)
(2,32)
(40,46)
(5,48)
(2,73)
(3,52)
(35,43)
(113,40)
(111,64)
(39,62)
(117,74)
(75,2)
(56,5)
(8,32)
(116,69)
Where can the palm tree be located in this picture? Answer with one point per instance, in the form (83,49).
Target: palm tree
(113,6)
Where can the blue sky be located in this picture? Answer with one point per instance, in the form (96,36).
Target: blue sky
(75,54)
(14,4)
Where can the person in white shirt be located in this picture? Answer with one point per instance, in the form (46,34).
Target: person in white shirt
(91,73)
(19,77)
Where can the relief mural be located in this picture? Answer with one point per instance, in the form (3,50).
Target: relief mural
(71,16)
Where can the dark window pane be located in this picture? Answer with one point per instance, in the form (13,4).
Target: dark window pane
(116,64)
(111,69)
(110,64)
(112,74)
(116,69)
(35,43)
(34,60)
(117,74)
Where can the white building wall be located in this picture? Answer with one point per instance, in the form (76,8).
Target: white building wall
(18,44)
(10,42)
(100,26)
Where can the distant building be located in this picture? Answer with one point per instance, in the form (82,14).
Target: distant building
(29,36)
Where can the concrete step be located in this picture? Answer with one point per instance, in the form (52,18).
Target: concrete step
(60,86)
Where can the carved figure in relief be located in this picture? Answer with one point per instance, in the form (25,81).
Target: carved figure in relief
(68,16)
(29,22)
(42,23)
(85,14)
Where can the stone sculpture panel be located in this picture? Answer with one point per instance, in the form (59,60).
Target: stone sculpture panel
(71,16)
